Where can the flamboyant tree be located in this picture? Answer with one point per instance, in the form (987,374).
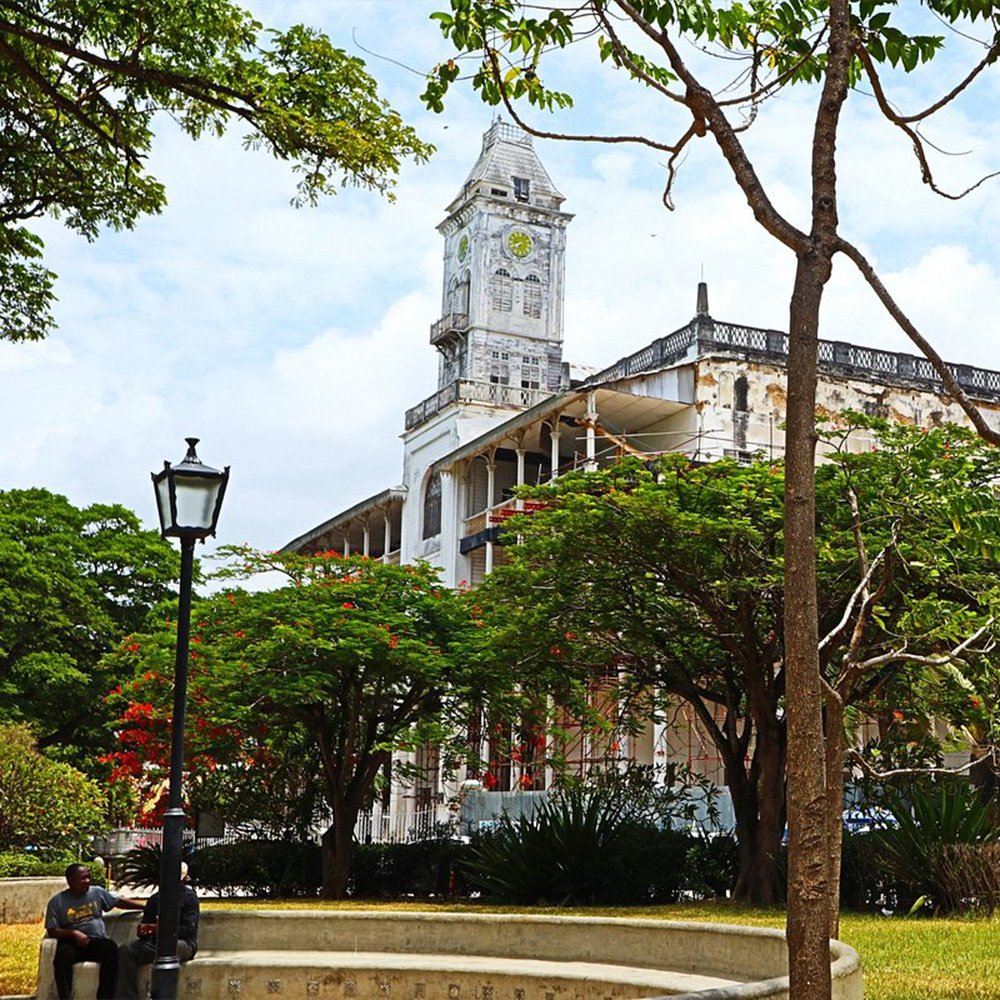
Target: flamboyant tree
(84,83)
(348,662)
(833,44)
(671,582)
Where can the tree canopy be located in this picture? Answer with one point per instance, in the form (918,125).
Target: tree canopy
(348,662)
(72,582)
(671,582)
(86,83)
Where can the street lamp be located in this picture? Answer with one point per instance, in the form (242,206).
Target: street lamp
(188,498)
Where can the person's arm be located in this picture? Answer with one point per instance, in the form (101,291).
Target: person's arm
(67,934)
(130,904)
(53,930)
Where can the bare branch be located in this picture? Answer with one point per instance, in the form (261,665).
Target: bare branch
(860,591)
(953,656)
(954,390)
(868,64)
(710,116)
(563,136)
(902,772)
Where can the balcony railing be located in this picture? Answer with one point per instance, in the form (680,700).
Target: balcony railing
(704,335)
(448,326)
(470,391)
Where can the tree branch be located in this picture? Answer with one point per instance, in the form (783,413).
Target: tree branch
(957,393)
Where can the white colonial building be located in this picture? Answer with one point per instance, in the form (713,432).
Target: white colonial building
(510,410)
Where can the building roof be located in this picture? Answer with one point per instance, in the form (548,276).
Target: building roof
(508,152)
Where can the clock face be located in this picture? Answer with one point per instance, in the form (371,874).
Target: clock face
(463,247)
(519,243)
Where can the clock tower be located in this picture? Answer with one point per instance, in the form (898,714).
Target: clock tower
(504,252)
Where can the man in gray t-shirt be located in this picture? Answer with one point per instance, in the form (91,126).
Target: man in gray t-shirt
(75,918)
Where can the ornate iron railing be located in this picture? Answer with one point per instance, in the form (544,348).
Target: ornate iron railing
(703,335)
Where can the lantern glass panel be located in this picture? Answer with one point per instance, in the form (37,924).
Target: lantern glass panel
(196,498)
(163,502)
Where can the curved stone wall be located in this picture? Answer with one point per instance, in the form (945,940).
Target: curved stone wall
(394,955)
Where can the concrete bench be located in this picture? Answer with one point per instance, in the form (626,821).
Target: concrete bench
(389,955)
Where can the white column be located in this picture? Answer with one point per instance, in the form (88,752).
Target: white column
(367,537)
(554,451)
(519,451)
(491,469)
(591,464)
(387,538)
(347,540)
(490,487)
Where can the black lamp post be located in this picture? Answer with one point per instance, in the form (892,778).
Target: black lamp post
(188,498)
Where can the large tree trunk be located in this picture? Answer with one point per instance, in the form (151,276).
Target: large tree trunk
(337,848)
(759,811)
(809,889)
(835,752)
(808,882)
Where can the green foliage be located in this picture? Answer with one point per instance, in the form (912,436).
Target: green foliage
(261,868)
(82,83)
(46,805)
(711,866)
(780,41)
(72,582)
(15,864)
(581,846)
(425,868)
(316,682)
(930,823)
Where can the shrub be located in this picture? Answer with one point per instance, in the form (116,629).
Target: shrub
(920,849)
(14,864)
(46,805)
(424,868)
(711,866)
(866,883)
(263,868)
(579,847)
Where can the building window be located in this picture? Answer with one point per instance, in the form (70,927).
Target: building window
(522,187)
(502,289)
(531,372)
(532,297)
(432,507)
(458,295)
(500,367)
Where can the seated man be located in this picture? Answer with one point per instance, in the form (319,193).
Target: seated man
(74,917)
(142,951)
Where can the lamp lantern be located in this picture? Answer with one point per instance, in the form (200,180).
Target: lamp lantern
(189,496)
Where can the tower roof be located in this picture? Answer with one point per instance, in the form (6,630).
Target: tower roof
(507,153)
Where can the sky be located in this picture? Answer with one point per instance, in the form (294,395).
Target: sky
(291,341)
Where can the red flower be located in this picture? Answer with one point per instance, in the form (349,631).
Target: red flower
(347,605)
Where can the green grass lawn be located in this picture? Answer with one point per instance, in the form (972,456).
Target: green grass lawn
(903,959)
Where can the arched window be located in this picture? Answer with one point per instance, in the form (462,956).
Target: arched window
(432,507)
(502,291)
(532,297)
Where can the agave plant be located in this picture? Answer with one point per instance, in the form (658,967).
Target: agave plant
(918,849)
(559,854)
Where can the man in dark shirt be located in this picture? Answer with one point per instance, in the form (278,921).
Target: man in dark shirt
(75,918)
(142,951)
